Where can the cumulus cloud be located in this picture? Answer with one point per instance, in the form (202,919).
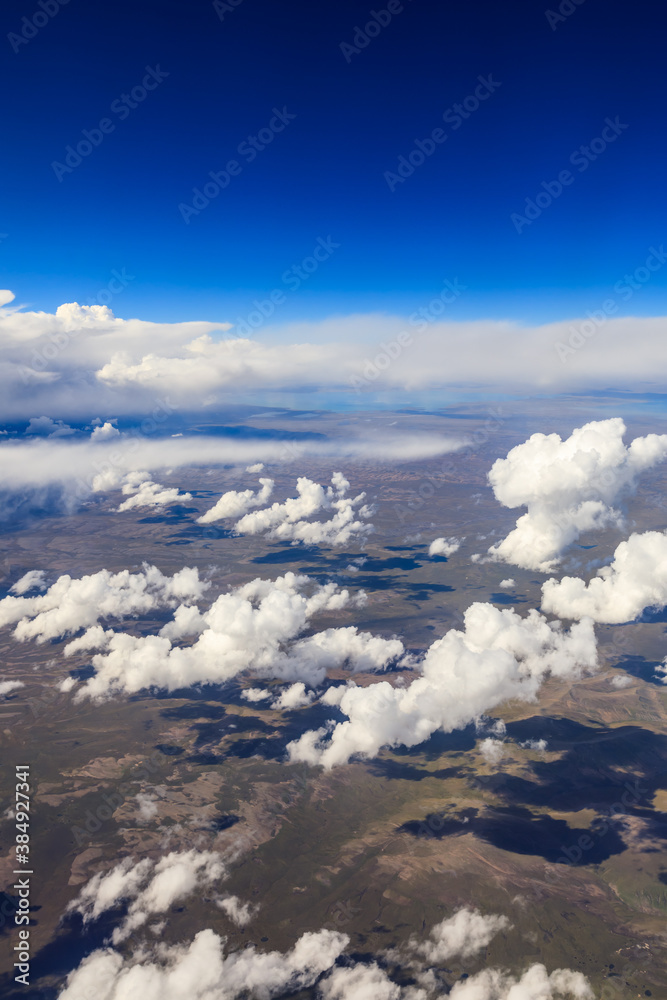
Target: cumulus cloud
(444,546)
(289,521)
(202,971)
(660,669)
(70,605)
(149,888)
(48,427)
(254,627)
(507,584)
(623,681)
(234,503)
(534,984)
(540,745)
(239,913)
(498,656)
(465,933)
(293,697)
(7,686)
(255,694)
(364,982)
(32,580)
(80,467)
(143,492)
(105,432)
(492,750)
(117,367)
(568,487)
(636,579)
(147,807)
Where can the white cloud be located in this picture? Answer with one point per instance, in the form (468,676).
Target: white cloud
(492,750)
(143,492)
(49,427)
(568,487)
(464,934)
(256,468)
(499,656)
(623,681)
(147,807)
(150,888)
(534,984)
(70,605)
(660,669)
(507,584)
(83,466)
(201,970)
(636,579)
(7,686)
(289,521)
(255,694)
(364,982)
(106,432)
(363,652)
(239,913)
(444,546)
(293,697)
(120,365)
(234,504)
(252,628)
(32,580)
(540,745)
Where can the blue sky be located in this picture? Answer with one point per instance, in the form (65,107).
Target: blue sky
(323,174)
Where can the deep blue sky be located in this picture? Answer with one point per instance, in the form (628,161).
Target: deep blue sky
(323,175)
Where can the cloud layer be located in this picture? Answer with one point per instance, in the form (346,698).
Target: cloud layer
(82,467)
(116,367)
